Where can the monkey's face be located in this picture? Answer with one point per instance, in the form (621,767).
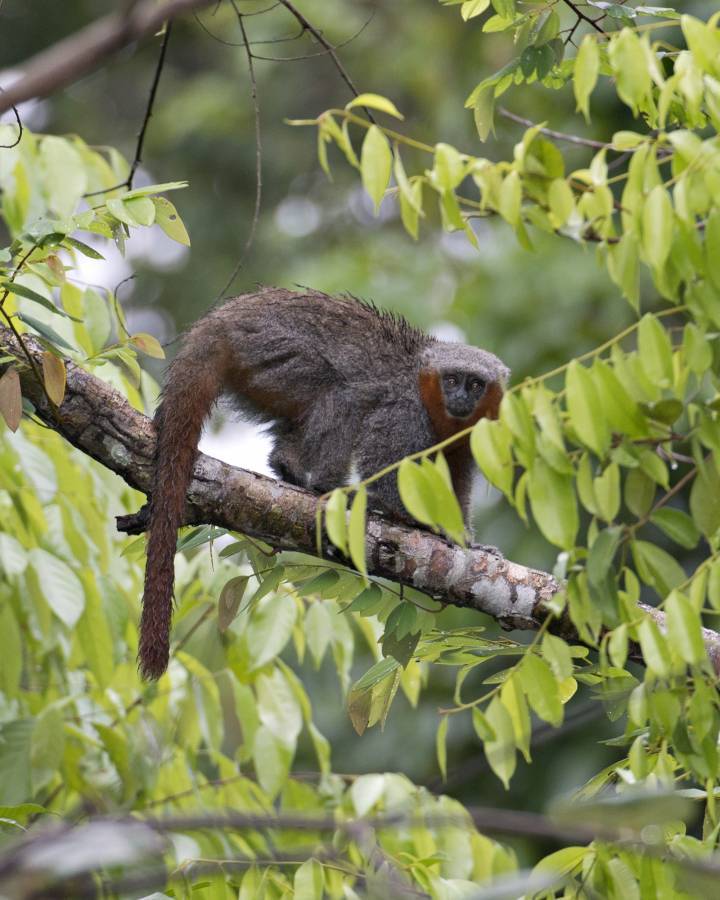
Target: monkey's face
(462,392)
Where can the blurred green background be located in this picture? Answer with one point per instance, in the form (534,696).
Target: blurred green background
(535,310)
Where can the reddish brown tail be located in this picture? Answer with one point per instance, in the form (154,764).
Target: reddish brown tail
(190,393)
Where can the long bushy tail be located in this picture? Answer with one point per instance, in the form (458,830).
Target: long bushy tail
(192,387)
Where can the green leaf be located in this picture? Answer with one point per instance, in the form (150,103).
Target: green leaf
(11,399)
(441,745)
(269,629)
(61,587)
(640,492)
(510,199)
(366,792)
(336,519)
(166,216)
(705,500)
(411,210)
(513,699)
(557,653)
(684,629)
(585,73)
(318,630)
(561,200)
(54,377)
(483,728)
(375,164)
(370,697)
(21,290)
(230,599)
(448,514)
(148,344)
(622,412)
(562,862)
(11,657)
(375,101)
(64,175)
(416,492)
(703,41)
(628,61)
(658,222)
(116,207)
(484,111)
(504,8)
(404,185)
(654,648)
(491,446)
(501,751)
(549,28)
(368,602)
(601,555)
(677,525)
(696,347)
(472,8)
(320,585)
(618,646)
(46,331)
(656,567)
(15,768)
(606,488)
(356,530)
(541,688)
(308,881)
(585,409)
(141,209)
(553,503)
(93,631)
(272,759)
(155,189)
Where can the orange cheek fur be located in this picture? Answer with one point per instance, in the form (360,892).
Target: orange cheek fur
(445,425)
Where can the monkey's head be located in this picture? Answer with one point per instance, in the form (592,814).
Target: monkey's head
(460,385)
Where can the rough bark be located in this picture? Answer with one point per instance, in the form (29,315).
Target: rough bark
(99,421)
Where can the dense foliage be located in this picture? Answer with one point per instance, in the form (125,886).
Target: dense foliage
(614,456)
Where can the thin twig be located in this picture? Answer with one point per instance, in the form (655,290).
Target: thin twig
(128,183)
(322,40)
(258,158)
(19,125)
(556,135)
(581,15)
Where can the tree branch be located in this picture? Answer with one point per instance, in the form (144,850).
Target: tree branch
(80,53)
(101,423)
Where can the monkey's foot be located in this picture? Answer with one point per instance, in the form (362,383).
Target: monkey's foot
(487,548)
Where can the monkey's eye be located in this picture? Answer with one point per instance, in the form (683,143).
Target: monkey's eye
(477,386)
(450,381)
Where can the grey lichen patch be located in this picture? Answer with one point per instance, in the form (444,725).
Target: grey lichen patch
(117,451)
(420,575)
(525,600)
(456,570)
(492,596)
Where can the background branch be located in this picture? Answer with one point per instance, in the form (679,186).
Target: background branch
(80,53)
